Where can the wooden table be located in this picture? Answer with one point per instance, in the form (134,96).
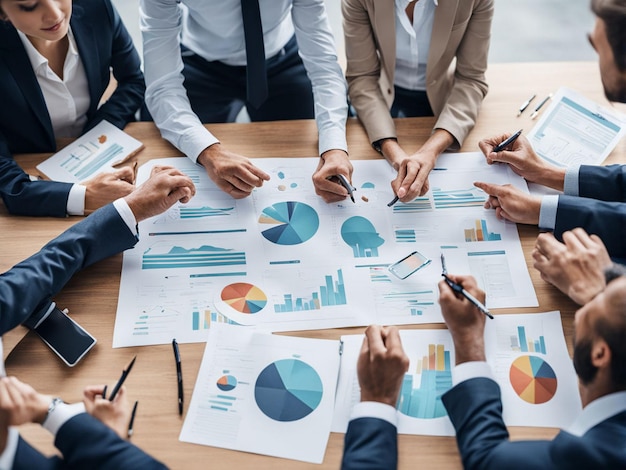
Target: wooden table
(92,296)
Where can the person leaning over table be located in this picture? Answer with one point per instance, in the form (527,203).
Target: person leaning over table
(25,295)
(595,196)
(196,65)
(56,58)
(416,58)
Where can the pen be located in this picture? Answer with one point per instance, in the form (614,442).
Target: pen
(104,392)
(525,104)
(120,382)
(132,419)
(459,289)
(502,145)
(395,199)
(346,184)
(179,376)
(536,111)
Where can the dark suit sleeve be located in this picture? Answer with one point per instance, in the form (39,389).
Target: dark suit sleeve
(370,444)
(28,286)
(87,443)
(606,183)
(128,97)
(28,458)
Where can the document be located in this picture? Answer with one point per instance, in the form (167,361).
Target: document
(576,131)
(95,152)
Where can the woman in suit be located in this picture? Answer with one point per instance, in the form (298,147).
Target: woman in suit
(410,58)
(56,58)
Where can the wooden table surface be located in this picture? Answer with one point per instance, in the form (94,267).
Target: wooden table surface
(92,295)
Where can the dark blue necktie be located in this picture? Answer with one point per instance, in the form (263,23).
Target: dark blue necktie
(256,75)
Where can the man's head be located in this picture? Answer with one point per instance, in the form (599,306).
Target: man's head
(600,338)
(609,40)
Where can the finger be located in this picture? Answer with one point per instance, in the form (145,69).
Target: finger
(504,215)
(393,343)
(331,187)
(420,180)
(256,171)
(586,240)
(546,243)
(491,189)
(125,173)
(572,242)
(375,340)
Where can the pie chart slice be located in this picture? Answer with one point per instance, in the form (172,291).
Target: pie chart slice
(533,379)
(244,297)
(288,390)
(226,383)
(291,222)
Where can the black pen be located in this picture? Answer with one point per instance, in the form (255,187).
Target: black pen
(343,181)
(120,382)
(393,201)
(525,104)
(459,288)
(539,106)
(132,419)
(502,145)
(104,392)
(179,376)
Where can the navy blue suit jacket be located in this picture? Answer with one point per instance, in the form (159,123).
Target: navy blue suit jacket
(475,408)
(370,444)
(25,126)
(86,443)
(600,209)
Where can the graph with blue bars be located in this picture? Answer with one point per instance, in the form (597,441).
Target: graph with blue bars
(161,256)
(201,212)
(332,293)
(522,343)
(471,197)
(85,165)
(419,204)
(420,396)
(480,232)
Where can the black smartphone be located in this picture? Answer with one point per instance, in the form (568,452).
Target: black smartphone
(65,337)
(409,264)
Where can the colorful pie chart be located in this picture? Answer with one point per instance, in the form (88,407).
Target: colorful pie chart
(291,223)
(533,379)
(288,390)
(244,297)
(226,383)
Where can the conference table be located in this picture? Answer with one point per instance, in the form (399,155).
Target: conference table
(91,296)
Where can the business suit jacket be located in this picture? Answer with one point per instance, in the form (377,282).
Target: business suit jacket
(461,30)
(370,444)
(86,443)
(600,207)
(25,126)
(475,408)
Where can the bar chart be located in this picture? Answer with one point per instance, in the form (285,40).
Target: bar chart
(332,292)
(449,199)
(167,256)
(480,232)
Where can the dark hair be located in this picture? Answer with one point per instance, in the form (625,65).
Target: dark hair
(613,13)
(612,329)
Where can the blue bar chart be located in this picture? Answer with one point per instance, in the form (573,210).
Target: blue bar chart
(331,293)
(480,232)
(471,197)
(522,343)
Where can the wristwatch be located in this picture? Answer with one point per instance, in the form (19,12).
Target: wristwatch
(51,407)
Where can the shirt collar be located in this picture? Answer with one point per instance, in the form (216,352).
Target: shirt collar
(597,411)
(404,3)
(37,60)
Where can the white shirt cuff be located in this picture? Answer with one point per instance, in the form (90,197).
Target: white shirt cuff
(570,184)
(471,370)
(375,409)
(547,212)
(331,139)
(8,456)
(61,414)
(126,214)
(76,200)
(195,140)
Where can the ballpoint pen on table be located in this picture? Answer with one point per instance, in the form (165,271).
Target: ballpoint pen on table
(120,382)
(539,106)
(179,376)
(132,419)
(456,287)
(393,201)
(525,104)
(343,181)
(504,144)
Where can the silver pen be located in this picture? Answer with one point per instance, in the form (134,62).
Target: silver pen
(525,104)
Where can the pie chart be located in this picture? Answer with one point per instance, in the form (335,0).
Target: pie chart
(533,379)
(226,383)
(288,390)
(290,223)
(244,297)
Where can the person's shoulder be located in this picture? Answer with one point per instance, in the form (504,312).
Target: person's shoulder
(97,9)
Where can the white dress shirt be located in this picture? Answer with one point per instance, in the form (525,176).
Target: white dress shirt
(413,43)
(214,30)
(67,101)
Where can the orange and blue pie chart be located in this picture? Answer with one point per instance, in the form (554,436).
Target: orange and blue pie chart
(244,297)
(226,383)
(533,379)
(289,223)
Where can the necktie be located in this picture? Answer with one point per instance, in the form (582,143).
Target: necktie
(256,75)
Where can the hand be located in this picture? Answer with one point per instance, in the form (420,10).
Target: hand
(232,173)
(162,190)
(413,171)
(332,162)
(107,187)
(20,403)
(511,204)
(576,266)
(381,365)
(465,322)
(524,161)
(115,414)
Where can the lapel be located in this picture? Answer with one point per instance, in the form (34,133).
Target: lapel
(442,27)
(384,19)
(14,55)
(87,45)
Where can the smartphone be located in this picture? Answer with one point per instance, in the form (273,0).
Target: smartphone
(65,337)
(409,264)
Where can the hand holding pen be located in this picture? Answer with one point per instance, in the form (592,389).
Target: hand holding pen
(458,288)
(332,177)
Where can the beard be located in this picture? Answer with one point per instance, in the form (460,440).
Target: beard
(617,93)
(585,369)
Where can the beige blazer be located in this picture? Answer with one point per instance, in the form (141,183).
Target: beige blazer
(455,88)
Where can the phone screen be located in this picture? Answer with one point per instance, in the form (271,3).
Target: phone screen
(409,264)
(65,337)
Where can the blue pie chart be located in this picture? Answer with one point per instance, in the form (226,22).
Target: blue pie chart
(290,222)
(288,390)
